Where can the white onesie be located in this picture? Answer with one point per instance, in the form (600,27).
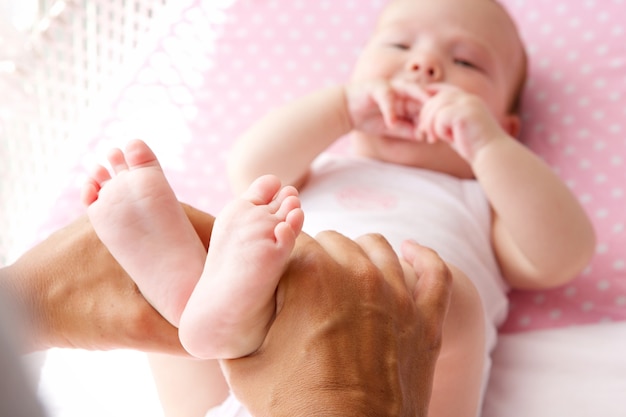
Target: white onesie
(355,196)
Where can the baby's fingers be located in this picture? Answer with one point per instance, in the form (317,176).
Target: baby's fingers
(384,97)
(410,89)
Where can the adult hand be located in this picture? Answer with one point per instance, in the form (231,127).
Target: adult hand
(356,332)
(77,296)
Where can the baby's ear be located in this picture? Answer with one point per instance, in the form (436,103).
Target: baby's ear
(512,124)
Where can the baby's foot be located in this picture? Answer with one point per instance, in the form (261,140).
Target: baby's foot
(137,216)
(233,304)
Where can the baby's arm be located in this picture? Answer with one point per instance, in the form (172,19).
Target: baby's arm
(288,139)
(542,236)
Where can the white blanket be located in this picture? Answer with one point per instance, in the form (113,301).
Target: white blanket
(574,372)
(568,372)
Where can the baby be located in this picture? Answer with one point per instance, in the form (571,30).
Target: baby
(432,111)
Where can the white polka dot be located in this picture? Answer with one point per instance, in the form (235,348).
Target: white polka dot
(554,138)
(602,248)
(590,4)
(569,89)
(324,5)
(587,306)
(617,193)
(585,198)
(525,321)
(584,164)
(585,69)
(561,8)
(260,95)
(546,28)
(532,15)
(258,19)
(544,63)
(573,55)
(602,213)
(539,299)
(559,42)
(295,34)
(619,265)
(321,35)
(318,66)
(583,133)
(603,285)
(620,301)
(618,228)
(284,18)
(574,22)
(556,314)
(588,36)
(557,75)
(541,96)
(599,83)
(603,17)
(600,179)
(570,291)
(602,50)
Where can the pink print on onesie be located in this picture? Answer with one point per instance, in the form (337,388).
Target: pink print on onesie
(365,199)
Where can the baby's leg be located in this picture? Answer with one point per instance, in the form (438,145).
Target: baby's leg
(137,216)
(459,373)
(233,304)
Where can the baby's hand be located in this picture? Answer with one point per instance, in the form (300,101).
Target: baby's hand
(459,118)
(385,107)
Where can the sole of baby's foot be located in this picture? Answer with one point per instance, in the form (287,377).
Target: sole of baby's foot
(232,307)
(136,214)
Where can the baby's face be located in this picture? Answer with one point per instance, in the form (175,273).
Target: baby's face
(471,44)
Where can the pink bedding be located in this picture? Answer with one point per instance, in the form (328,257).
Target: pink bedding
(219,65)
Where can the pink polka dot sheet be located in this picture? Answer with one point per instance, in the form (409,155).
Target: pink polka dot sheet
(219,65)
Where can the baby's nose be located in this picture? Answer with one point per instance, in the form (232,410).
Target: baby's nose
(425,69)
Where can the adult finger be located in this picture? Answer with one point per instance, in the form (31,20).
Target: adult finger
(381,254)
(342,249)
(434,280)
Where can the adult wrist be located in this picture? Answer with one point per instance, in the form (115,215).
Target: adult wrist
(14,286)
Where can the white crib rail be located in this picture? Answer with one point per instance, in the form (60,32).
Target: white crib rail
(51,74)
